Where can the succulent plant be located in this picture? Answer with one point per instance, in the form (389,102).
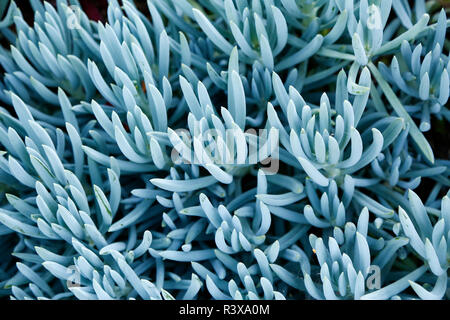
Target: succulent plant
(236,149)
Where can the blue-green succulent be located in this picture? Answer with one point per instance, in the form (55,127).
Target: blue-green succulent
(237,149)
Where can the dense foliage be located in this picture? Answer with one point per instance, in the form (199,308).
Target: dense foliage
(127,150)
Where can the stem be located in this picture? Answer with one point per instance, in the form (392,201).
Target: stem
(408,35)
(325,52)
(418,137)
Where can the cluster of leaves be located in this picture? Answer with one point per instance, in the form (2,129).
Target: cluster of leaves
(94,204)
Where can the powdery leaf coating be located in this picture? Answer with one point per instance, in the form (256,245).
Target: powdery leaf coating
(243,150)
